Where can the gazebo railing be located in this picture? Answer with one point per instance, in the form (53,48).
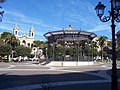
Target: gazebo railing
(73,58)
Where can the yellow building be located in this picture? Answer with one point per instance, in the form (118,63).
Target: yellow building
(24,40)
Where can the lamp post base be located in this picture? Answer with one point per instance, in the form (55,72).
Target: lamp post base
(114,83)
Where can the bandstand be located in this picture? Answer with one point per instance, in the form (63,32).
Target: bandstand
(69,46)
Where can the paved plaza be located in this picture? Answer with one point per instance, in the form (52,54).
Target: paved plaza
(31,76)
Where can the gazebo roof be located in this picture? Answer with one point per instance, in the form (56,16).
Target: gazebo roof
(70,28)
(69,33)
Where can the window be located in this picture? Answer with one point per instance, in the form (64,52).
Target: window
(15,32)
(32,34)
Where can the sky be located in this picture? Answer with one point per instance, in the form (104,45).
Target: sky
(53,15)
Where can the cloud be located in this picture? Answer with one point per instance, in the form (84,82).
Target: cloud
(24,21)
(72,20)
(101,27)
(80,11)
(7,21)
(6,27)
(15,13)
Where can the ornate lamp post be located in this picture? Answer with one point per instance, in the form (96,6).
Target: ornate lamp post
(114,15)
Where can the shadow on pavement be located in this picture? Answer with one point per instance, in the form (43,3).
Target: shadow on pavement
(8,80)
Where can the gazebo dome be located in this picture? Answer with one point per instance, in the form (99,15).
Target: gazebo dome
(68,34)
(69,28)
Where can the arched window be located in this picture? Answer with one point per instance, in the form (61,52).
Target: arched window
(32,34)
(15,32)
(24,43)
(29,44)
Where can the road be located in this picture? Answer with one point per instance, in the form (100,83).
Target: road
(30,76)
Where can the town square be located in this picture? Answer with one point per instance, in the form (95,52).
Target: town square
(59,45)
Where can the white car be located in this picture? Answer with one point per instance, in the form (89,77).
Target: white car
(25,58)
(34,59)
(15,59)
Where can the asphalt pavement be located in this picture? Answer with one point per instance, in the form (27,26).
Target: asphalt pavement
(31,76)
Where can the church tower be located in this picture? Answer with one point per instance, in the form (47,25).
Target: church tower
(31,32)
(15,30)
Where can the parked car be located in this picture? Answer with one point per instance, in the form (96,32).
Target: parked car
(16,59)
(34,59)
(25,58)
(19,59)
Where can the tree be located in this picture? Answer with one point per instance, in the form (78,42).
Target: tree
(59,50)
(39,43)
(1,41)
(101,42)
(5,36)
(94,48)
(10,39)
(23,51)
(5,50)
(109,44)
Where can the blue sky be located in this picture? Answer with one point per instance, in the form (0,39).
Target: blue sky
(52,15)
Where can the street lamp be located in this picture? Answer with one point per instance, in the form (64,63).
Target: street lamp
(114,15)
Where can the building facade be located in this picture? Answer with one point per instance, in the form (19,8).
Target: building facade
(24,39)
(118,42)
(118,36)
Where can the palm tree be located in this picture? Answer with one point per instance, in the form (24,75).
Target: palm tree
(93,49)
(39,43)
(5,36)
(109,44)
(102,41)
(10,39)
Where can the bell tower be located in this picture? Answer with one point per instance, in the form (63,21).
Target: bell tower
(31,32)
(15,30)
